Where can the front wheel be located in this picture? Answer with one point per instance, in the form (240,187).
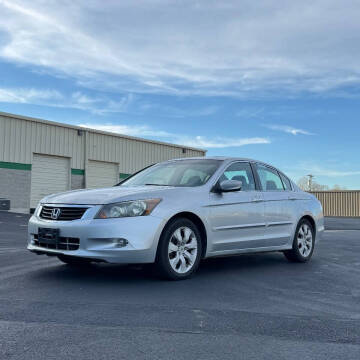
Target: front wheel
(179,250)
(303,244)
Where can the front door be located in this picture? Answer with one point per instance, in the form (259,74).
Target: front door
(237,218)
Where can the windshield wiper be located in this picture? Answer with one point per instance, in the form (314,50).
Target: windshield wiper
(158,185)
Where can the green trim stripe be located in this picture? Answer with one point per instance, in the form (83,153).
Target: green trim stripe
(124,176)
(77,172)
(16,166)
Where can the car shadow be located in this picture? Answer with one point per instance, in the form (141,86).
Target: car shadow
(238,265)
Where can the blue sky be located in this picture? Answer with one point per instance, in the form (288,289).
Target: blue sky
(279,82)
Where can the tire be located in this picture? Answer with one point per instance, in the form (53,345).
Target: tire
(73,260)
(303,243)
(179,250)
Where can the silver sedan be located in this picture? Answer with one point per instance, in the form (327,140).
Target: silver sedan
(178,212)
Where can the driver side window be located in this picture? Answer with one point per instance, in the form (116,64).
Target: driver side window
(240,171)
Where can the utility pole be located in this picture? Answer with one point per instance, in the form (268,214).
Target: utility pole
(310,181)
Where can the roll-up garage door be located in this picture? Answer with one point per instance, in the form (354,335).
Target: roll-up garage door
(49,175)
(101,174)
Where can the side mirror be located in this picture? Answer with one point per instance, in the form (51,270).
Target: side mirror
(229,186)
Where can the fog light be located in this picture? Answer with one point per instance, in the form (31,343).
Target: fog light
(120,242)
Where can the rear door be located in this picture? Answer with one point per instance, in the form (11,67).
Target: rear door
(279,212)
(237,218)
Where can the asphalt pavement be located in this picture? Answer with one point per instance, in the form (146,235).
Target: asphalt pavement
(342,223)
(240,307)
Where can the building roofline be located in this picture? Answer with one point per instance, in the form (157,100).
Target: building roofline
(69,126)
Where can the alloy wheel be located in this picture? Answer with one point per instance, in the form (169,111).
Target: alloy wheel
(305,240)
(182,250)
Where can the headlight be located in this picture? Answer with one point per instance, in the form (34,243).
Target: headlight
(36,211)
(127,209)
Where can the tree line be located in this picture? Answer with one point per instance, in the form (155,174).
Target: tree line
(304,184)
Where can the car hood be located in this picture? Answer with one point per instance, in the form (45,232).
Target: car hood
(105,196)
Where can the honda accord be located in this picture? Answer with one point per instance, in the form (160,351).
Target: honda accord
(176,213)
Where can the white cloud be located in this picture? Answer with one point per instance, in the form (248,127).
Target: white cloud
(178,112)
(193,141)
(220,142)
(289,129)
(76,100)
(131,130)
(99,104)
(322,171)
(327,170)
(204,47)
(248,113)
(25,96)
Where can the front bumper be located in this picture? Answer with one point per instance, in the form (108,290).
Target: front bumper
(320,228)
(96,237)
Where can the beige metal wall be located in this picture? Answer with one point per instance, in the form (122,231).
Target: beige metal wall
(339,203)
(20,137)
(132,155)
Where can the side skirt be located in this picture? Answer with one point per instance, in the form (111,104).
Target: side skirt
(249,251)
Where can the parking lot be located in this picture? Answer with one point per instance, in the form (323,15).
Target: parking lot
(242,307)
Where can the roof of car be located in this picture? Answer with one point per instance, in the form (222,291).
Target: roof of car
(230,159)
(222,158)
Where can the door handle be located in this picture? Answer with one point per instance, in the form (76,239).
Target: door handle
(257,199)
(291,198)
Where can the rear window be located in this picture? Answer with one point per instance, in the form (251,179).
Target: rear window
(269,178)
(286,182)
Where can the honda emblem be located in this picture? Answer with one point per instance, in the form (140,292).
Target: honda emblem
(55,213)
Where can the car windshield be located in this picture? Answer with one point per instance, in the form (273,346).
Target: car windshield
(175,173)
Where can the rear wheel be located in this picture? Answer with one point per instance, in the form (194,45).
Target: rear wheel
(179,250)
(73,260)
(303,244)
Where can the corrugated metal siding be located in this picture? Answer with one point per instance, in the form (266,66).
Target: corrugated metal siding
(20,138)
(50,174)
(339,203)
(101,174)
(131,155)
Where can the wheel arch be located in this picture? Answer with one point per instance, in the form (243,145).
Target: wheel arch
(311,220)
(197,221)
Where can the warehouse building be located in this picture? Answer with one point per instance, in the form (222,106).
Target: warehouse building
(39,157)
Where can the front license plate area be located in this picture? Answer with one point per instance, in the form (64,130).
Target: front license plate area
(48,236)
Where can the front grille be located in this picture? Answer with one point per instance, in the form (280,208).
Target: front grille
(64,243)
(66,213)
